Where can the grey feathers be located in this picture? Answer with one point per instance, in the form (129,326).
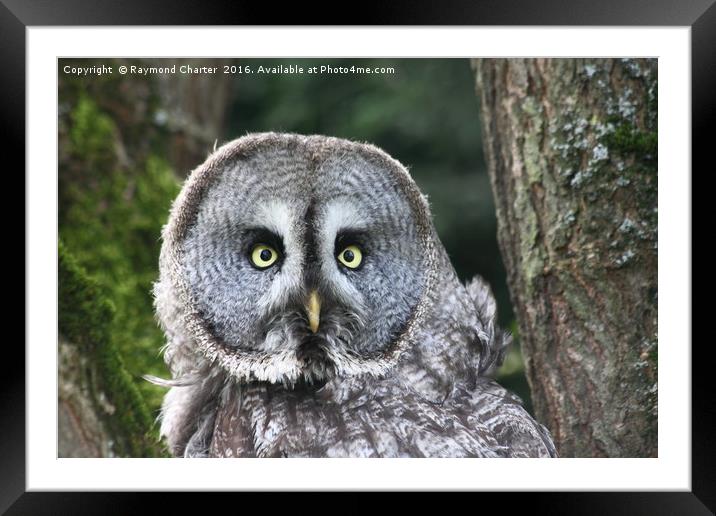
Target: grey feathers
(311,310)
(493,341)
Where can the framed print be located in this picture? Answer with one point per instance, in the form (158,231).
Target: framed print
(437,246)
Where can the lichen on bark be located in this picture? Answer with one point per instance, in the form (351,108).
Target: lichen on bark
(572,156)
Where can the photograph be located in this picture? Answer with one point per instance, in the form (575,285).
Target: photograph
(357,257)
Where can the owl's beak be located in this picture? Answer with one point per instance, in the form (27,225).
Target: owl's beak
(313,310)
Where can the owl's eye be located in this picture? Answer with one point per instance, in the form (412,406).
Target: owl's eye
(351,256)
(263,256)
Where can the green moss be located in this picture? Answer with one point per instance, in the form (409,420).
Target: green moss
(111,214)
(84,316)
(627,139)
(91,132)
(85,319)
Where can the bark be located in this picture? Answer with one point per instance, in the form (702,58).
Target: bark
(572,156)
(100,411)
(124,140)
(194,108)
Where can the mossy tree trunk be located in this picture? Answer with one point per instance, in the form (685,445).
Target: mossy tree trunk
(125,141)
(572,157)
(101,413)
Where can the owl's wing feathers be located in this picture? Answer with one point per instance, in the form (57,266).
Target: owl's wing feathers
(489,402)
(505,417)
(392,419)
(493,341)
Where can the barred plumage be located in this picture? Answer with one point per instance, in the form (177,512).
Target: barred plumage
(397,358)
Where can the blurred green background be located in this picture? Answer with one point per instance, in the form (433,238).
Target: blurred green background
(126,142)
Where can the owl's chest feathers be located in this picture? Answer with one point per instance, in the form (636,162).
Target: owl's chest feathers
(272,421)
(377,418)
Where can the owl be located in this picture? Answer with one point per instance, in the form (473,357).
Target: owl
(310,310)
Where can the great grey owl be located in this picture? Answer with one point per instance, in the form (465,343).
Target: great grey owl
(310,310)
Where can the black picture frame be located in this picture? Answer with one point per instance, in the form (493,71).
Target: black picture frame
(17,15)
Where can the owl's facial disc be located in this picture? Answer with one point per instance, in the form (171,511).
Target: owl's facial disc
(301,269)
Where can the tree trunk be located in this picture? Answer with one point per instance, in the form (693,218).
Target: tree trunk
(124,140)
(101,412)
(572,154)
(194,108)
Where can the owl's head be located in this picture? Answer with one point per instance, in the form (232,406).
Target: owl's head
(293,258)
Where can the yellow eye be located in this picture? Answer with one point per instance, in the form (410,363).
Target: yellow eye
(351,256)
(263,256)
